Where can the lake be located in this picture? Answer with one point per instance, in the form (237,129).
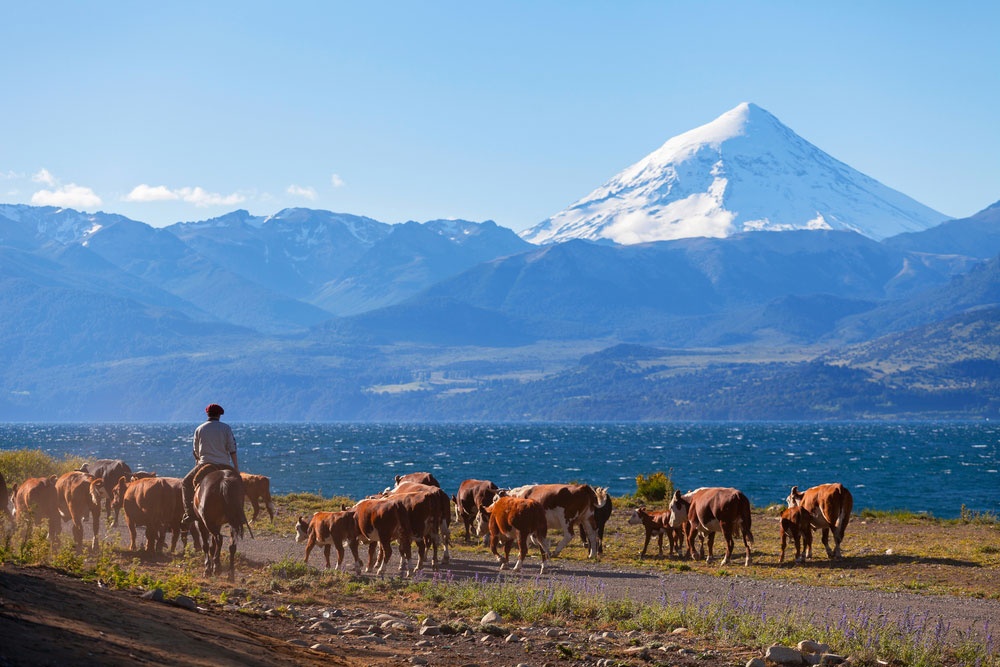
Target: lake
(931,467)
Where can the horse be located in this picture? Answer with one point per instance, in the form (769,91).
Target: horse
(218,500)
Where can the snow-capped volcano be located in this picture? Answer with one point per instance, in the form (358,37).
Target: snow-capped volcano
(744,171)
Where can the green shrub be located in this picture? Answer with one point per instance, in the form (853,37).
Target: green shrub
(657,487)
(17,465)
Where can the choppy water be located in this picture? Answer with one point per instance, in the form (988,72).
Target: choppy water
(933,467)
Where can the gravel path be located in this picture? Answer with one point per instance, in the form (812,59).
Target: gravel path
(957,616)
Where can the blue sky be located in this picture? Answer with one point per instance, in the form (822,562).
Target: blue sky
(510,111)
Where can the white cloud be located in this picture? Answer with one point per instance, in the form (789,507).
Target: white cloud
(9,175)
(196,195)
(336,181)
(146,193)
(199,197)
(68,196)
(44,176)
(300,191)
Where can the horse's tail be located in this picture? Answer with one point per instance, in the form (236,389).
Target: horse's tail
(232,502)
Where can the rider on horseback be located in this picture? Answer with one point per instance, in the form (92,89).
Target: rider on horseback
(214,447)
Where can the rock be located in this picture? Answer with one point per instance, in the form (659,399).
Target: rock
(889,552)
(832,659)
(417,660)
(184,602)
(551,632)
(156,595)
(756,662)
(332,613)
(323,626)
(298,642)
(783,655)
(323,648)
(679,631)
(490,618)
(430,631)
(511,638)
(372,639)
(809,646)
(423,643)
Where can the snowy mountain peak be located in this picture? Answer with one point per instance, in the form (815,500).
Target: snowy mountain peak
(744,171)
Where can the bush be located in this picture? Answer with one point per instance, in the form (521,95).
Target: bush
(20,464)
(657,487)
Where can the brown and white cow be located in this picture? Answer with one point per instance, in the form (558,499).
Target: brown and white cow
(258,491)
(716,510)
(429,511)
(418,477)
(796,523)
(657,523)
(174,518)
(36,499)
(110,470)
(81,495)
(381,520)
(330,529)
(566,506)
(473,494)
(830,507)
(511,519)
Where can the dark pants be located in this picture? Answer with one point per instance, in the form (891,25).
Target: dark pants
(192,478)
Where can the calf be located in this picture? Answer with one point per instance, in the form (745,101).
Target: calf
(717,510)
(509,519)
(110,470)
(258,490)
(796,523)
(473,494)
(330,529)
(830,507)
(656,523)
(36,499)
(601,516)
(80,495)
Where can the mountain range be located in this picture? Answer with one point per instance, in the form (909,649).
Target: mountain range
(874,308)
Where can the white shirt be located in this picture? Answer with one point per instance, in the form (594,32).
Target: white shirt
(214,442)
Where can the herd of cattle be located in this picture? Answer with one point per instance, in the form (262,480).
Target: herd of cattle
(415,511)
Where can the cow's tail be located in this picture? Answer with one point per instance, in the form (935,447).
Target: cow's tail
(846,507)
(745,520)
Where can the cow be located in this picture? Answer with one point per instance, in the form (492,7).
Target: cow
(258,491)
(601,516)
(174,517)
(36,499)
(330,529)
(567,505)
(473,494)
(218,501)
(796,523)
(830,507)
(418,477)
(142,474)
(110,470)
(657,523)
(5,496)
(152,503)
(716,510)
(429,512)
(511,519)
(80,495)
(380,520)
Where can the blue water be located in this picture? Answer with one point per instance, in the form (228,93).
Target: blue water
(924,467)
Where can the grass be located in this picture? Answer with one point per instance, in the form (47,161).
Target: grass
(893,551)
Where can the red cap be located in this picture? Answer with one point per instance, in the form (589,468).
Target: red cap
(214,410)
